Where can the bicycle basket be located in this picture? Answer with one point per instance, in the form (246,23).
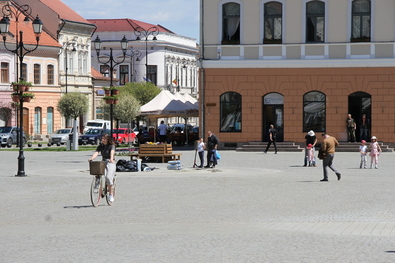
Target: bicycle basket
(97,167)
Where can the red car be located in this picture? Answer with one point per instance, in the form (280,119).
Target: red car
(123,135)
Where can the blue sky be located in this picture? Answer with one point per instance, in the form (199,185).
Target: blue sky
(180,16)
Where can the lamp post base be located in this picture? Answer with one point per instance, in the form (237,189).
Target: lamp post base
(21,165)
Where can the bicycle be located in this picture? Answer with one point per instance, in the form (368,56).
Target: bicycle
(99,183)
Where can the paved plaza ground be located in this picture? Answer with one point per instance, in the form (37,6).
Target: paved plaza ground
(252,208)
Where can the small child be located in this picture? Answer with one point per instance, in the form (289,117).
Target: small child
(310,154)
(200,149)
(374,152)
(363,149)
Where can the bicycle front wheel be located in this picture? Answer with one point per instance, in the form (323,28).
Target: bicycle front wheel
(96,191)
(113,191)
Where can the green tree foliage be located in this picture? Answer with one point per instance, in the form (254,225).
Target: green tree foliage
(72,105)
(127,108)
(142,91)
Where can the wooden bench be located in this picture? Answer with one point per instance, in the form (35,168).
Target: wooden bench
(160,152)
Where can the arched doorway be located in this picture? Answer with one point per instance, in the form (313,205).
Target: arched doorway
(273,113)
(359,103)
(26,121)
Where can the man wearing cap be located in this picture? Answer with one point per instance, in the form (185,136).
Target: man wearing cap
(328,146)
(310,139)
(351,127)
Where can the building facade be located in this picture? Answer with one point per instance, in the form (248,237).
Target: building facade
(154,54)
(73,33)
(300,65)
(39,67)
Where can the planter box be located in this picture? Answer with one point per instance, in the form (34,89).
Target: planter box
(155,149)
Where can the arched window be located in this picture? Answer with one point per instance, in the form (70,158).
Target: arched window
(230,112)
(273,16)
(315,21)
(361,13)
(231,23)
(314,111)
(50,75)
(37,74)
(50,120)
(5,72)
(24,72)
(37,120)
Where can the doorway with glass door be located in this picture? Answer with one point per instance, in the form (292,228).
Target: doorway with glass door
(273,113)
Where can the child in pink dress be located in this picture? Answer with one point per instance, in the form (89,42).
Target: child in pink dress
(374,152)
(310,154)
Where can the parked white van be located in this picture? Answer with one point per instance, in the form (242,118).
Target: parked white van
(97,124)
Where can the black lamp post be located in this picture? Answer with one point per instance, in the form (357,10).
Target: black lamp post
(66,50)
(20,50)
(113,63)
(139,31)
(137,54)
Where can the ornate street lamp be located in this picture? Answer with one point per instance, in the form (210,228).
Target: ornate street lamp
(137,54)
(153,31)
(113,63)
(20,50)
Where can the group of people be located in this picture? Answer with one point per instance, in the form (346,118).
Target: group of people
(351,126)
(211,147)
(328,147)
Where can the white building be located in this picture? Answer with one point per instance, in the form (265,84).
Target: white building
(169,61)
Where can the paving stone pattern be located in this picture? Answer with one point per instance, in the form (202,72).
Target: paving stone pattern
(252,207)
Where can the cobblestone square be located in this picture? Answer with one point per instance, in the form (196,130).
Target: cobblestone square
(253,207)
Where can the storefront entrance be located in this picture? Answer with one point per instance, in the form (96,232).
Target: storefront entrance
(359,103)
(273,113)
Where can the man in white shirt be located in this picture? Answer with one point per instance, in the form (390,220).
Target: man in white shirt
(162,131)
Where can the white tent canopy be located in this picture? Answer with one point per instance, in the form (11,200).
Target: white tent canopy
(191,99)
(190,104)
(166,105)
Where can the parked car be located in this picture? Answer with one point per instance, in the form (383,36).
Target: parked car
(9,136)
(92,136)
(180,127)
(97,124)
(123,135)
(60,136)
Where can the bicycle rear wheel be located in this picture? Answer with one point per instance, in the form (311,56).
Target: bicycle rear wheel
(113,191)
(96,191)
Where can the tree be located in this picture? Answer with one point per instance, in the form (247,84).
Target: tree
(73,105)
(142,91)
(127,109)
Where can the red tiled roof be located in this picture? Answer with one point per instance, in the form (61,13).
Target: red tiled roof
(64,11)
(97,75)
(28,35)
(123,24)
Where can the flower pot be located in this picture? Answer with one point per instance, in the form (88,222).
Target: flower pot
(20,88)
(114,92)
(109,101)
(115,101)
(26,99)
(15,98)
(107,92)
